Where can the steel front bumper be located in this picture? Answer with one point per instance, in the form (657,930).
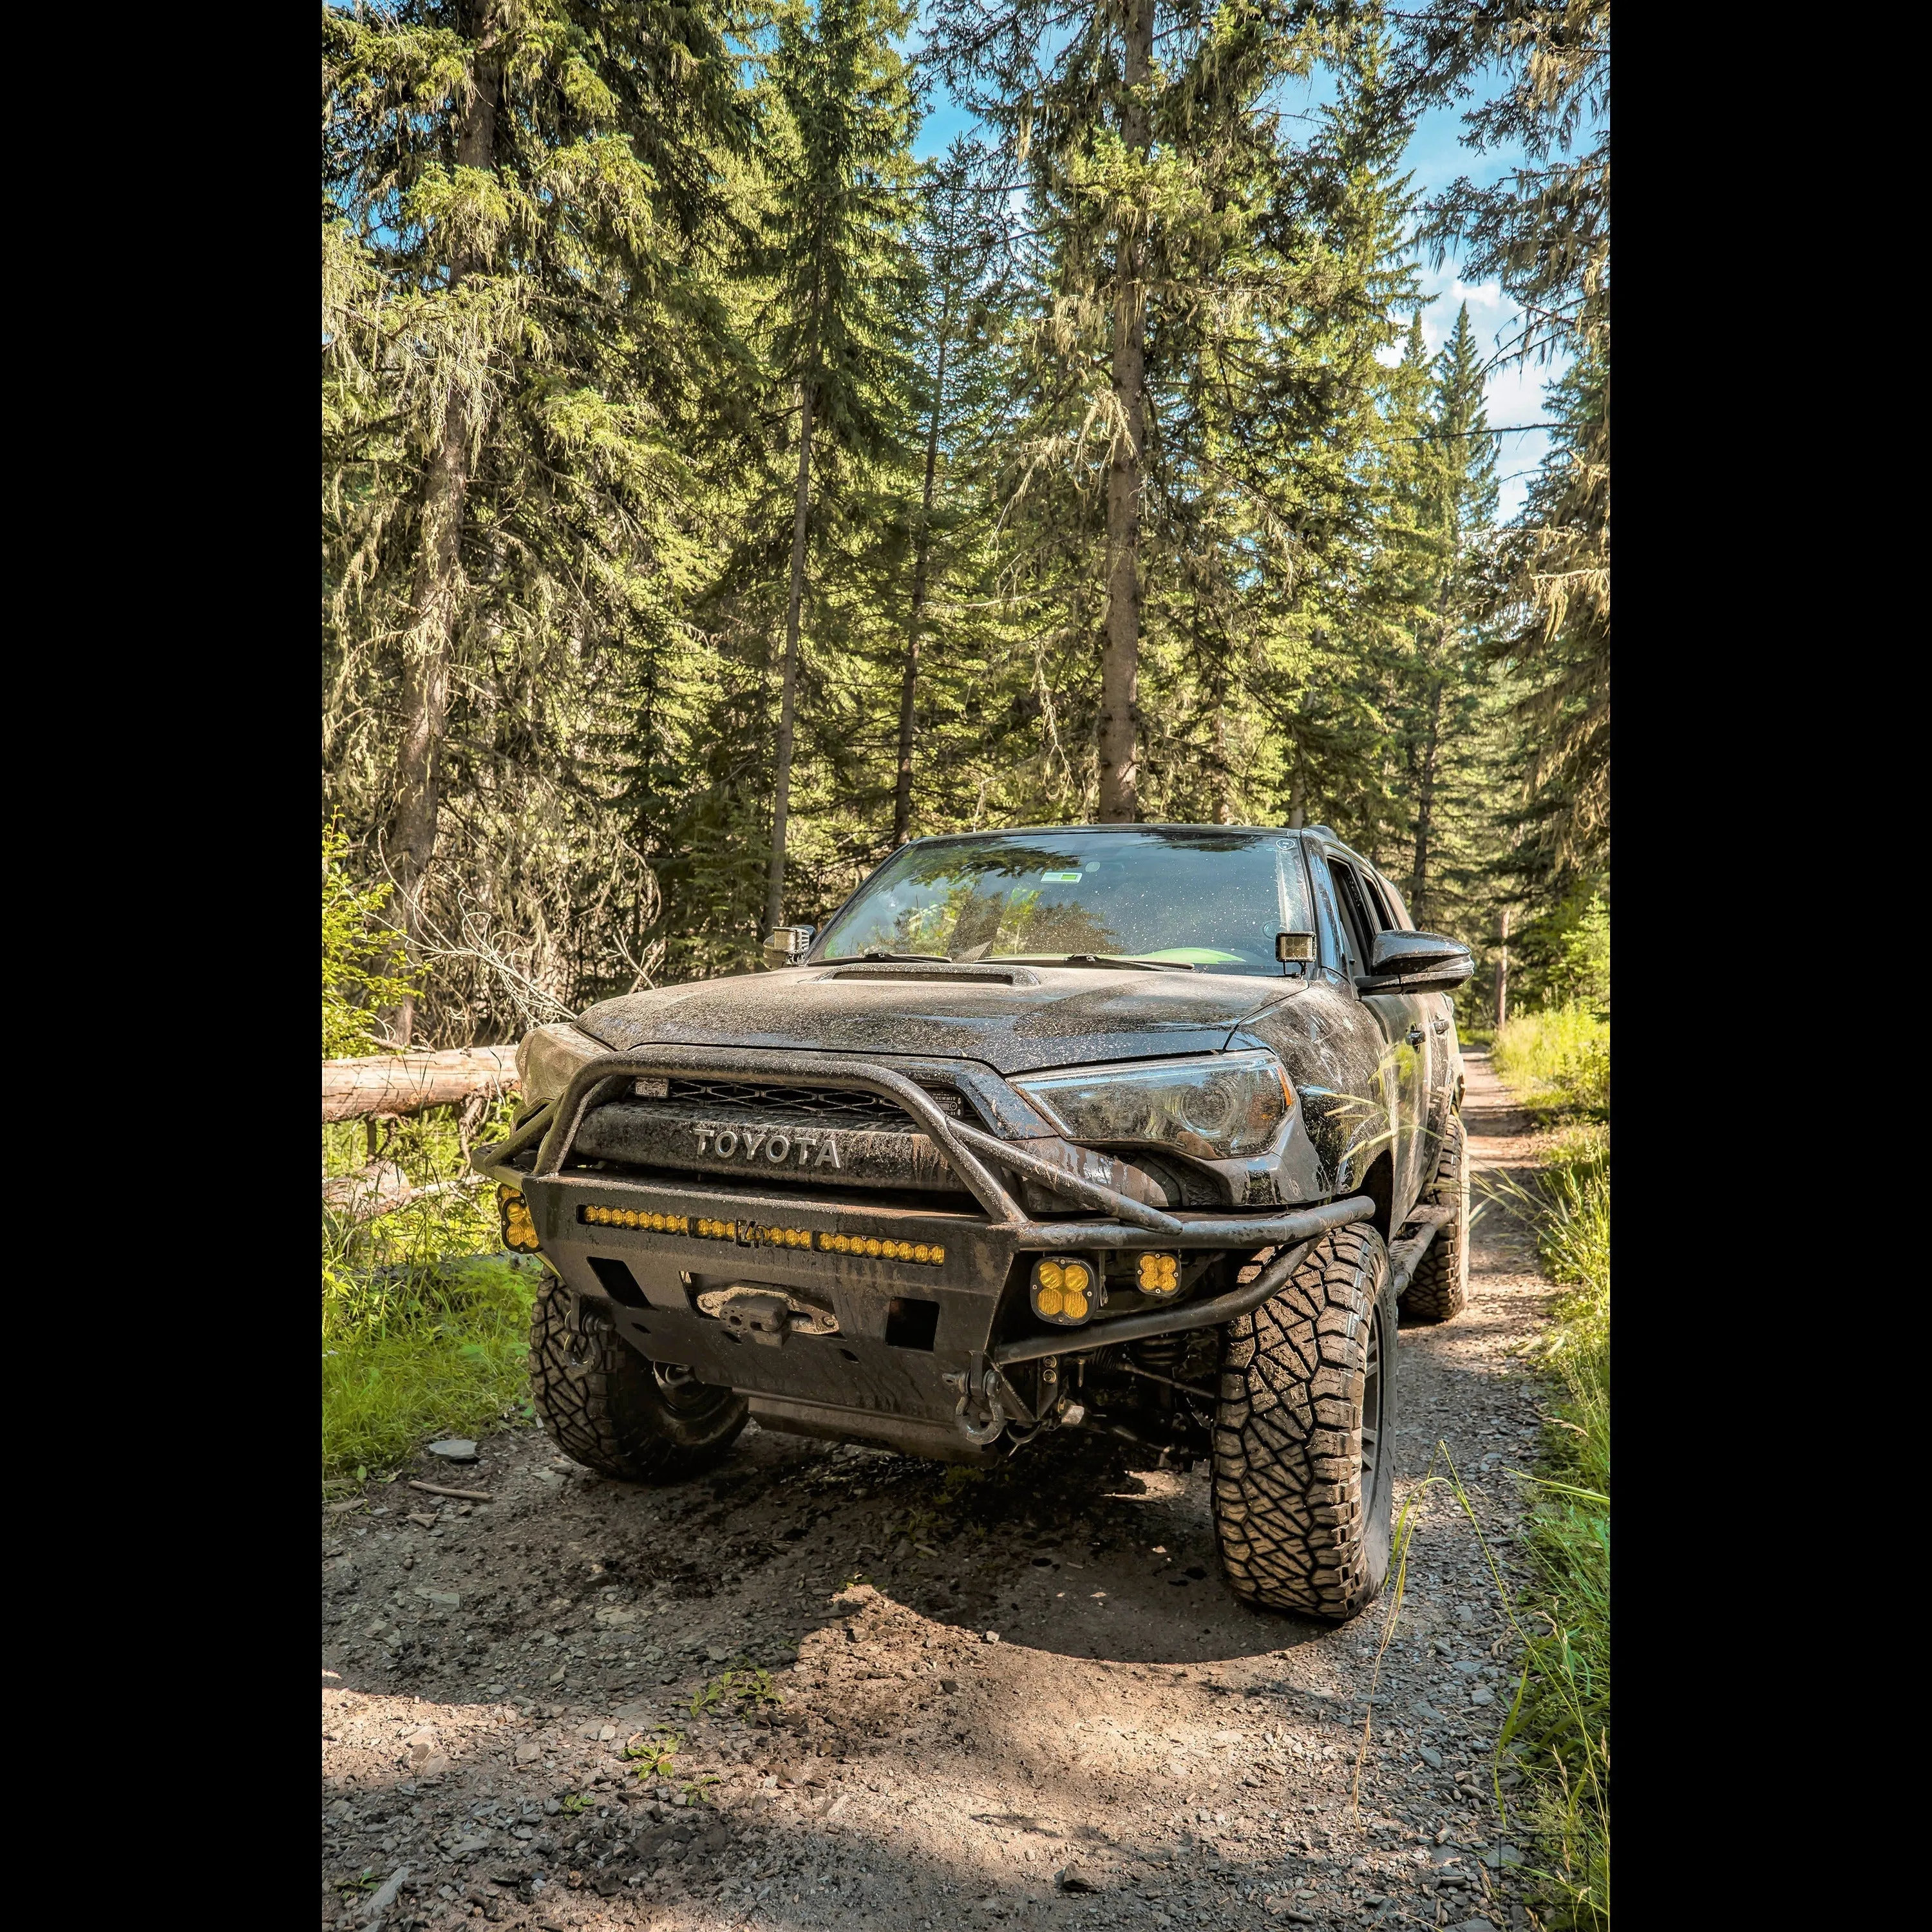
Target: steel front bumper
(918,1341)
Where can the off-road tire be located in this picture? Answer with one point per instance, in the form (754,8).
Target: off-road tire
(605,1406)
(1301,1524)
(1439,1289)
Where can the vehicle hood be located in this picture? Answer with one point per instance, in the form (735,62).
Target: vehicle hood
(1072,1016)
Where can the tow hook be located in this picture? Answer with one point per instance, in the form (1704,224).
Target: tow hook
(987,1402)
(980,1388)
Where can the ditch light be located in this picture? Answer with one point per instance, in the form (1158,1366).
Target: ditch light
(519,1231)
(1067,1293)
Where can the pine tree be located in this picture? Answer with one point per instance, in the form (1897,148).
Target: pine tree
(958,248)
(520,205)
(1458,508)
(1544,231)
(836,251)
(1201,372)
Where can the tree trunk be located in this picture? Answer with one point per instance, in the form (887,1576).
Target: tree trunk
(922,553)
(788,702)
(428,642)
(1297,790)
(1120,661)
(1425,806)
(1502,971)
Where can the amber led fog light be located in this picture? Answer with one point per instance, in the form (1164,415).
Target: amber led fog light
(519,1232)
(1064,1292)
(1158,1274)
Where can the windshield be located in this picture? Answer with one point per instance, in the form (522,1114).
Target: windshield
(1213,901)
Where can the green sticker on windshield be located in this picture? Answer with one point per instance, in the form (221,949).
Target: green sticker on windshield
(1062,878)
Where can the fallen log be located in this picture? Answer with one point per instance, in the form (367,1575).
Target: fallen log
(395,1084)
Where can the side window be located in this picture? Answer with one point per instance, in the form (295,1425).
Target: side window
(1403,923)
(1378,909)
(1354,918)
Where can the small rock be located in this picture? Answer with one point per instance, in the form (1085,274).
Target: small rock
(949,1684)
(1078,1878)
(1430,1755)
(717,1653)
(443,1600)
(605,1732)
(454,1449)
(992,1636)
(529,1753)
(1482,1694)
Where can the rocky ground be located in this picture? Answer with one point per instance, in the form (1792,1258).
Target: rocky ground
(861,1691)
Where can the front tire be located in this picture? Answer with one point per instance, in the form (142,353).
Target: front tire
(1304,1436)
(605,1406)
(1439,1290)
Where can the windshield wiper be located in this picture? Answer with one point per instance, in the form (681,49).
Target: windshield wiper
(908,958)
(1126,962)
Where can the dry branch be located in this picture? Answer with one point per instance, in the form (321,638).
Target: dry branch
(406,1083)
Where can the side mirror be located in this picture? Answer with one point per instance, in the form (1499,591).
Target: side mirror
(1290,946)
(788,945)
(1424,962)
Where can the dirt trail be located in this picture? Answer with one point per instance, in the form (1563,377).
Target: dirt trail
(1037,1704)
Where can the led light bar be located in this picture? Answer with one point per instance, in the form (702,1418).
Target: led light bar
(631,1217)
(929,1252)
(759,1234)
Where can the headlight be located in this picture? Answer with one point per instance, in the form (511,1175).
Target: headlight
(547,1057)
(1219,1107)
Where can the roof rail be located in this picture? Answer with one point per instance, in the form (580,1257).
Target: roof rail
(1326,831)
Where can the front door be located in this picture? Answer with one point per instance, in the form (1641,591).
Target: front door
(1404,1019)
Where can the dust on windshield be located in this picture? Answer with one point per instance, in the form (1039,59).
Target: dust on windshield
(1212,901)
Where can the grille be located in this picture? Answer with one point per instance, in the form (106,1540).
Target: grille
(823,1106)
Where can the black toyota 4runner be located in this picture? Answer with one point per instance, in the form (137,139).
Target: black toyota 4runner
(1147,1129)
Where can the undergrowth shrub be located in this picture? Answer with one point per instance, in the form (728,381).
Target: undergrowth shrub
(1560,1727)
(1558,1063)
(425,1320)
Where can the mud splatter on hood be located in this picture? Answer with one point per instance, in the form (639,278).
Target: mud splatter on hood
(1073,1015)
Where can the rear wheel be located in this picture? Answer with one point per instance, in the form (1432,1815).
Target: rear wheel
(1304,1438)
(1439,1288)
(605,1406)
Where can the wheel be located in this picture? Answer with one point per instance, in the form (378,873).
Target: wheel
(606,1407)
(1304,1435)
(1439,1288)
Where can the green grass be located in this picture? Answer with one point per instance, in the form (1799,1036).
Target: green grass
(1559,1729)
(425,1320)
(1558,1063)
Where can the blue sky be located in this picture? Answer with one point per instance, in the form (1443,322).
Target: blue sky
(1435,156)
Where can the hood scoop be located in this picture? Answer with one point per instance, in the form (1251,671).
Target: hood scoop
(963,974)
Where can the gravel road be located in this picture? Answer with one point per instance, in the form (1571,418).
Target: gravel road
(1023,1697)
